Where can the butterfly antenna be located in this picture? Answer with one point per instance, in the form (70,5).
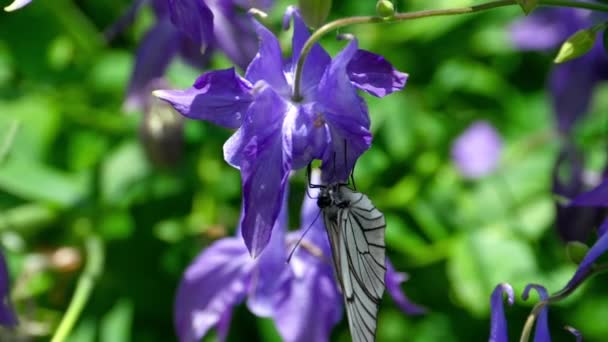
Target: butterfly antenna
(293,250)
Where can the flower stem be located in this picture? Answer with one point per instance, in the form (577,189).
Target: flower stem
(93,268)
(336,24)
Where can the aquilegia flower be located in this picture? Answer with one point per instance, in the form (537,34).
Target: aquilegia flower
(17,4)
(476,152)
(301,296)
(571,83)
(191,29)
(277,134)
(7,316)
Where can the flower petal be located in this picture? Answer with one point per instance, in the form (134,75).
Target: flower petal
(393,287)
(153,56)
(577,334)
(313,305)
(271,271)
(194,19)
(220,96)
(17,4)
(544,29)
(267,65)
(346,115)
(234,34)
(541,333)
(373,74)
(316,61)
(599,248)
(498,329)
(476,152)
(597,197)
(7,315)
(265,162)
(216,281)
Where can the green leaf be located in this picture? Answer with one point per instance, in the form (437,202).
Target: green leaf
(124,168)
(37,182)
(576,46)
(116,324)
(473,267)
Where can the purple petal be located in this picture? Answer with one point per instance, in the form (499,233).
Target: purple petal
(271,270)
(498,329)
(267,65)
(7,315)
(374,74)
(313,306)
(223,325)
(124,21)
(17,4)
(541,333)
(571,86)
(153,56)
(603,228)
(393,287)
(599,248)
(265,162)
(317,59)
(215,282)
(346,115)
(476,152)
(597,197)
(194,19)
(545,29)
(234,34)
(221,97)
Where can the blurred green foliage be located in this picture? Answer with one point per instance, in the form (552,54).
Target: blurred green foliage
(77,156)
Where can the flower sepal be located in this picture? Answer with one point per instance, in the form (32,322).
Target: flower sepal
(528,5)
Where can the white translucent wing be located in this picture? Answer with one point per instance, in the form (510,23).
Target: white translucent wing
(357,239)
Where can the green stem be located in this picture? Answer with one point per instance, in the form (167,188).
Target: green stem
(7,143)
(86,282)
(334,25)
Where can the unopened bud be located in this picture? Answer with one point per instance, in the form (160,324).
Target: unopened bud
(577,45)
(314,12)
(576,251)
(385,9)
(161,133)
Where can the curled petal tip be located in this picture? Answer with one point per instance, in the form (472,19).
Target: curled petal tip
(17,4)
(258,13)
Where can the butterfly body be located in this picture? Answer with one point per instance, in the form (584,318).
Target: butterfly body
(356,233)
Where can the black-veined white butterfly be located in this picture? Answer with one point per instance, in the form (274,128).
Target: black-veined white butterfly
(356,234)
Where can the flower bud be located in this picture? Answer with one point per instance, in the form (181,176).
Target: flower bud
(576,251)
(385,9)
(577,45)
(161,133)
(314,12)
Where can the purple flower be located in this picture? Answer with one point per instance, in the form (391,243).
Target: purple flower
(301,296)
(191,29)
(17,4)
(7,316)
(573,223)
(277,134)
(571,83)
(499,329)
(476,152)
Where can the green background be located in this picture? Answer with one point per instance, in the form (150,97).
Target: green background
(77,165)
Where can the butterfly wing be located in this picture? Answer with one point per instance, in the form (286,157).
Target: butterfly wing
(357,239)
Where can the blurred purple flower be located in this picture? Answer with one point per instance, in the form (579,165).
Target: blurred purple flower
(476,152)
(277,134)
(571,83)
(7,316)
(301,296)
(573,223)
(16,4)
(191,29)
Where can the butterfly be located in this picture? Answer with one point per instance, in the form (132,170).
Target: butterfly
(356,234)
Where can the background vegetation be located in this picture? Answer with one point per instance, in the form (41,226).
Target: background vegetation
(77,164)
